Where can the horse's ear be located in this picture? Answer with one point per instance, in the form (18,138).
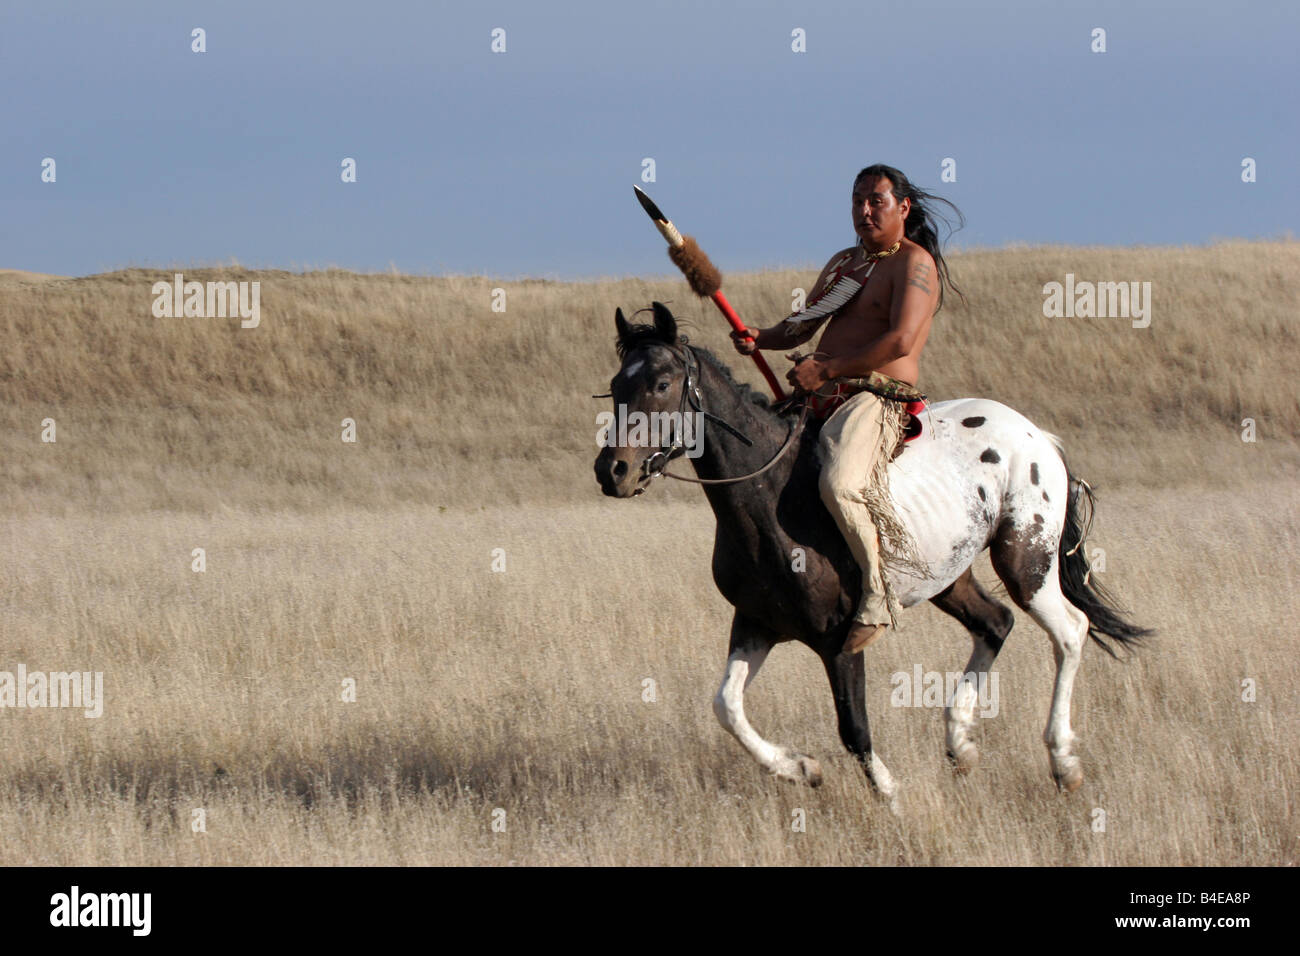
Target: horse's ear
(620,323)
(665,324)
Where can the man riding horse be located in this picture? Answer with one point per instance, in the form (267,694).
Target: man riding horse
(987,480)
(880,297)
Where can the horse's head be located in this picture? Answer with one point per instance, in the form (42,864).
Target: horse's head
(655,417)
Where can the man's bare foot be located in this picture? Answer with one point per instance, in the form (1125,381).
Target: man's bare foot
(860,635)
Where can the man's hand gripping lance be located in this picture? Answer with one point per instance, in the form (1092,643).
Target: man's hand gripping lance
(703,277)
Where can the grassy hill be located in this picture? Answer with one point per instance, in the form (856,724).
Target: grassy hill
(457,404)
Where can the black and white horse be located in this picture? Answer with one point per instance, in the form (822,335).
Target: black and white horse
(982,476)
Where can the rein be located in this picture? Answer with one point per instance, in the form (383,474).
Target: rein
(656,465)
(789,440)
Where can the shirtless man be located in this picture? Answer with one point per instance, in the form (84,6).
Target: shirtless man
(882,329)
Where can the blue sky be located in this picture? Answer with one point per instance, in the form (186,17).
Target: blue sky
(522,163)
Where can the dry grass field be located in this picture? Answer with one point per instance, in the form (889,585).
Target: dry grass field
(521,691)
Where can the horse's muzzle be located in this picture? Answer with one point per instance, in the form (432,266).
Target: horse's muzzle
(616,477)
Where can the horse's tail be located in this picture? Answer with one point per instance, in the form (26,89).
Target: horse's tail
(1106,623)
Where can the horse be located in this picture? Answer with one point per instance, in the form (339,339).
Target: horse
(981,477)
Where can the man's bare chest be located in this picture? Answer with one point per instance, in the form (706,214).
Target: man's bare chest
(872,305)
(856,292)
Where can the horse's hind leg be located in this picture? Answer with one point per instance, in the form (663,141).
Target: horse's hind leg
(750,645)
(848,683)
(1030,570)
(989,622)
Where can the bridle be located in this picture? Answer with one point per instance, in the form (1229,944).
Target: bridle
(656,465)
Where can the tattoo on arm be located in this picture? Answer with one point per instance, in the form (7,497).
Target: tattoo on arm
(920,277)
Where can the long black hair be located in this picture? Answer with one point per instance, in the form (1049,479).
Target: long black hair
(922,221)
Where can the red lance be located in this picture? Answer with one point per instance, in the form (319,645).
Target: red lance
(703,277)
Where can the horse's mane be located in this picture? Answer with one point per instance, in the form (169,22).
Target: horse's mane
(746,391)
(639,336)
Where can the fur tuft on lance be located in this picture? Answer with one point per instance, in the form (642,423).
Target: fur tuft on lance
(701,274)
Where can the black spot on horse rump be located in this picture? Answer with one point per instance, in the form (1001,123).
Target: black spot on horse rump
(990,456)
(975,421)
(982,495)
(1033,472)
(1020,561)
(1038,519)
(1047,499)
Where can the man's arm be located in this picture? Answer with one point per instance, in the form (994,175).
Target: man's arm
(912,307)
(780,335)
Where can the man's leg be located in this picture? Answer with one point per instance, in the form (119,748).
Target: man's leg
(850,445)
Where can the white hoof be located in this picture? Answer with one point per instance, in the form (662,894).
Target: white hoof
(883,783)
(1068,773)
(964,758)
(795,767)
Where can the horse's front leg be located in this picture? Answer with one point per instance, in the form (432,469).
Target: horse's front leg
(847,674)
(750,644)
